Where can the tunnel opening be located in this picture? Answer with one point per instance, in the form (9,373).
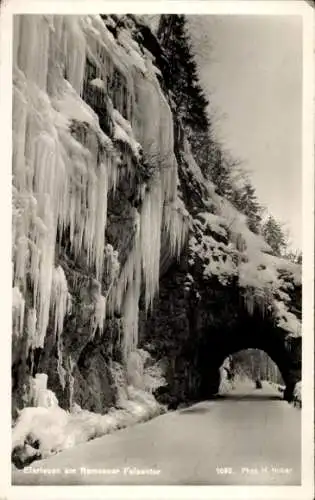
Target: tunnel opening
(251,368)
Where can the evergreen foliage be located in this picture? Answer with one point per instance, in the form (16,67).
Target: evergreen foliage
(183,82)
(246,201)
(274,235)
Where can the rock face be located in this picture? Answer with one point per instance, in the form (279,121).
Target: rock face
(118,239)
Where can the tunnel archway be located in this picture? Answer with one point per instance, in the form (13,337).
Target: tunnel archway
(249,333)
(249,368)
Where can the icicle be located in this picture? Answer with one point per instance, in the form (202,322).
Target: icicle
(21,259)
(257,299)
(19,114)
(31,328)
(131,308)
(147,126)
(169,179)
(125,295)
(43,277)
(75,46)
(59,298)
(99,315)
(130,271)
(150,224)
(156,135)
(71,390)
(113,176)
(60,369)
(101,218)
(249,303)
(18,307)
(176,224)
(33,48)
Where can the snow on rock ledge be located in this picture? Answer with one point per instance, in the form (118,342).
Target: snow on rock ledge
(228,250)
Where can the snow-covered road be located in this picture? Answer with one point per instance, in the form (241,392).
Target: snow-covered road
(247,437)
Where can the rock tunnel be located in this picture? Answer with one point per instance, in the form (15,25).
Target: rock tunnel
(194,335)
(249,335)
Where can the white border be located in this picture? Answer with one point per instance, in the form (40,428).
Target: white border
(202,7)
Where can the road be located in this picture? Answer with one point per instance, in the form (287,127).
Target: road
(246,437)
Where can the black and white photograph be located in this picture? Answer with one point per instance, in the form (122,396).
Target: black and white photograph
(157,247)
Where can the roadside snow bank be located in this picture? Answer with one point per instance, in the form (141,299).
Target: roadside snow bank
(40,432)
(45,429)
(297,395)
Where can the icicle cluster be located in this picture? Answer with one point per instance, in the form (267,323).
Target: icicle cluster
(142,265)
(152,126)
(125,296)
(64,165)
(98,318)
(60,178)
(150,223)
(176,220)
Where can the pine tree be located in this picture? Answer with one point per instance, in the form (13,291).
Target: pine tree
(251,207)
(220,172)
(182,80)
(274,235)
(245,200)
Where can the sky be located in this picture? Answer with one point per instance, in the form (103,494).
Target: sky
(251,70)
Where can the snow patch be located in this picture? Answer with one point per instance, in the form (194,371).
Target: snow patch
(54,429)
(215,222)
(98,83)
(286,320)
